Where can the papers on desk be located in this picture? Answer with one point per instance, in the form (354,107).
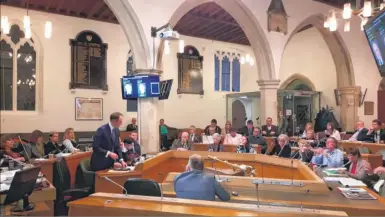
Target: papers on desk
(334,171)
(345,181)
(63,155)
(127,169)
(377,186)
(356,194)
(6,179)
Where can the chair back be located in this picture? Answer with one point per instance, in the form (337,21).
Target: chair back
(144,187)
(85,177)
(61,176)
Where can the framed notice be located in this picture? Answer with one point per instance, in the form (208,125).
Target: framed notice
(368,108)
(88,109)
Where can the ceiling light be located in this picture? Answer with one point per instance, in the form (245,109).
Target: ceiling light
(333,22)
(5,25)
(27,22)
(181,46)
(347,12)
(28,33)
(347,26)
(48,29)
(367,11)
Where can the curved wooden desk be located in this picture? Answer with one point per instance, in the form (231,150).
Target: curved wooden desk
(120,205)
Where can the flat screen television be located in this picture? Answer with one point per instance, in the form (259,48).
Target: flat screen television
(375,33)
(140,86)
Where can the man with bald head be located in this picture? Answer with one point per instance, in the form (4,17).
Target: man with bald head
(182,144)
(194,184)
(361,131)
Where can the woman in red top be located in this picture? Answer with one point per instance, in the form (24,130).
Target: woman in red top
(358,166)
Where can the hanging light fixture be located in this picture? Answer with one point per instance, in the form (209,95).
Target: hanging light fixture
(48,29)
(382,6)
(347,26)
(333,21)
(28,33)
(27,21)
(181,46)
(347,12)
(367,11)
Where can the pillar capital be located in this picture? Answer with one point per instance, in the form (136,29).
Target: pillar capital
(147,71)
(268,84)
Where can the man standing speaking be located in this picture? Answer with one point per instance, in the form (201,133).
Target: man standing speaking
(106,148)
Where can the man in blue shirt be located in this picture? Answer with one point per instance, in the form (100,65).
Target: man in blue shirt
(332,157)
(195,184)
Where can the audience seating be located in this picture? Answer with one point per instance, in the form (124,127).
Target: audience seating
(144,187)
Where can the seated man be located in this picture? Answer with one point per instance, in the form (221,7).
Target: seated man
(194,138)
(269,130)
(332,157)
(248,129)
(182,144)
(360,133)
(212,128)
(258,139)
(195,184)
(376,134)
(232,138)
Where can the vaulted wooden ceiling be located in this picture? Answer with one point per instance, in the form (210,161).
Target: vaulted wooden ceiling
(210,21)
(89,9)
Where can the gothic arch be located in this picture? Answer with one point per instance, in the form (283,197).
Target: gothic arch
(337,47)
(250,25)
(133,29)
(295,77)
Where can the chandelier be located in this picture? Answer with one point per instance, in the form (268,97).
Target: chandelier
(365,12)
(5,26)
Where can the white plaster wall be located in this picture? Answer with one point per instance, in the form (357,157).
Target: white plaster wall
(58,102)
(185,109)
(308,54)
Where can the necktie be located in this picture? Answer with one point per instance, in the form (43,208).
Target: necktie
(113,135)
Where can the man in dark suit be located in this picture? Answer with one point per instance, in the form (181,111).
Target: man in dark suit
(194,138)
(182,144)
(376,134)
(132,126)
(360,134)
(269,129)
(196,185)
(107,152)
(247,130)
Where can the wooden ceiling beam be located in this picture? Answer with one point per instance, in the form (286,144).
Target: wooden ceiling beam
(214,31)
(208,19)
(233,34)
(95,8)
(60,6)
(48,5)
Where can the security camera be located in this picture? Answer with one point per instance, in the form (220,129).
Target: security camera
(169,34)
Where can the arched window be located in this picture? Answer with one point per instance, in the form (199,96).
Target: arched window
(88,62)
(18,72)
(227,71)
(190,78)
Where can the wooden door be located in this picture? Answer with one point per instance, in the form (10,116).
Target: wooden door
(238,114)
(381,105)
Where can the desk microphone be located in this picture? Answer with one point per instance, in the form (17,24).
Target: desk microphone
(161,186)
(26,153)
(292,172)
(216,172)
(117,184)
(295,154)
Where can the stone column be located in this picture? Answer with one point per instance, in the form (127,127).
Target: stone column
(349,101)
(148,121)
(268,106)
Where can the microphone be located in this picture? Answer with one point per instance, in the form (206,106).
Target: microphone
(161,186)
(117,184)
(22,145)
(212,164)
(295,154)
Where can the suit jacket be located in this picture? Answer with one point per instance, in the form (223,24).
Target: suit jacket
(216,147)
(103,142)
(194,138)
(273,129)
(362,134)
(132,127)
(178,144)
(361,169)
(244,131)
(304,157)
(197,185)
(53,148)
(371,138)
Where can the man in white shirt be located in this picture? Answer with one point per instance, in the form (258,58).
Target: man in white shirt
(233,138)
(361,131)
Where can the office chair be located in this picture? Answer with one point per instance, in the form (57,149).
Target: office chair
(64,192)
(85,177)
(144,187)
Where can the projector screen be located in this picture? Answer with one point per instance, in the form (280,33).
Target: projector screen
(375,33)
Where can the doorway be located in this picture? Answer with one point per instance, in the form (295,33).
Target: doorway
(238,114)
(381,100)
(299,104)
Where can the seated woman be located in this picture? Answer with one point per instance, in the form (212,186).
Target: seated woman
(331,132)
(359,167)
(308,127)
(304,153)
(217,146)
(52,146)
(37,144)
(7,146)
(285,149)
(312,139)
(245,147)
(69,140)
(226,130)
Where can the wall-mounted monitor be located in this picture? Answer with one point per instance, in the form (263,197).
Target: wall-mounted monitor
(375,33)
(140,86)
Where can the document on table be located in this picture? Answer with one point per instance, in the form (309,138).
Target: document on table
(351,182)
(378,185)
(6,179)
